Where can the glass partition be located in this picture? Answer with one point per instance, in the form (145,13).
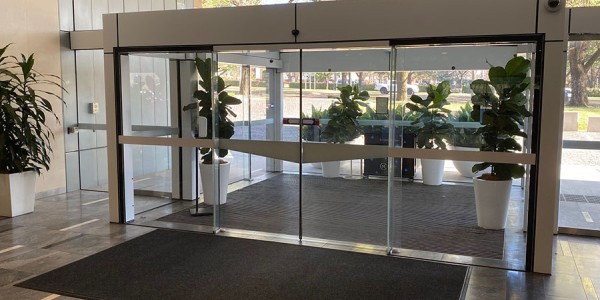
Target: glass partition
(460,106)
(336,145)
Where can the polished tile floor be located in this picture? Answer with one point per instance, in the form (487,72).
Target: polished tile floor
(71,226)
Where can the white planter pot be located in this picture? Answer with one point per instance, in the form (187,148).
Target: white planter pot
(17,193)
(465,167)
(331,169)
(433,171)
(207,175)
(491,201)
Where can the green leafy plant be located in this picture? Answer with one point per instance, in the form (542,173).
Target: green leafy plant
(405,114)
(344,112)
(308,132)
(204,106)
(432,125)
(499,104)
(24,111)
(465,137)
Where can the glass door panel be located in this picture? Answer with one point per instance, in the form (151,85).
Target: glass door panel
(579,202)
(437,214)
(344,178)
(262,151)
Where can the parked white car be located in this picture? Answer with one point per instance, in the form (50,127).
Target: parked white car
(384,88)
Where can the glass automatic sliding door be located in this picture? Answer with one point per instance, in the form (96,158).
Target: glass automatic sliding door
(439,213)
(344,179)
(263,151)
(329,145)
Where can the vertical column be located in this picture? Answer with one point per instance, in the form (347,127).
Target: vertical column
(275,113)
(183,85)
(554,25)
(120,167)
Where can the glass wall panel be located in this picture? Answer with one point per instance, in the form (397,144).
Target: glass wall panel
(91,119)
(344,182)
(449,101)
(580,166)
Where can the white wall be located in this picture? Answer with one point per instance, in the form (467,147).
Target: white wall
(33,27)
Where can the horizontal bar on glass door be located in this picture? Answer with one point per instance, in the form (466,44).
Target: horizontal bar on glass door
(476,156)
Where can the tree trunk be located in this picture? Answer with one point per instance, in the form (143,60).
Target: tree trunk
(402,89)
(245,80)
(579,82)
(345,78)
(360,79)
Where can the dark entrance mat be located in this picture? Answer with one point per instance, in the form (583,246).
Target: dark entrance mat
(184,265)
(431,218)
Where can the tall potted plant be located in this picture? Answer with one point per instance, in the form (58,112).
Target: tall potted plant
(343,125)
(432,128)
(500,105)
(465,139)
(25,137)
(213,163)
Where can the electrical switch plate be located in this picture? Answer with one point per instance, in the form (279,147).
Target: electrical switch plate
(94,107)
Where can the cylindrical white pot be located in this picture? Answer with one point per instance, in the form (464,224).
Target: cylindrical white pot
(331,169)
(207,174)
(433,171)
(491,202)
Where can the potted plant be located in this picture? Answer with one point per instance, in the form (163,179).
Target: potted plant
(343,126)
(465,139)
(313,132)
(432,128)
(25,137)
(213,163)
(500,105)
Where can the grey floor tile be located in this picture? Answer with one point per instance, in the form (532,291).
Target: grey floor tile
(9,277)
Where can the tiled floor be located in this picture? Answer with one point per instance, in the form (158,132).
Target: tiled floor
(63,230)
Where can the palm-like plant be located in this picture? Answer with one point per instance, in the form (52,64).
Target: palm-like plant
(344,112)
(465,137)
(432,123)
(24,110)
(499,104)
(204,106)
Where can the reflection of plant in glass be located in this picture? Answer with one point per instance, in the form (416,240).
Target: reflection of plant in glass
(204,107)
(432,123)
(499,104)
(465,137)
(344,111)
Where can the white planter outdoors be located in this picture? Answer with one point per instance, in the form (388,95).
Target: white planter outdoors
(432,171)
(491,202)
(207,175)
(331,169)
(465,167)
(17,193)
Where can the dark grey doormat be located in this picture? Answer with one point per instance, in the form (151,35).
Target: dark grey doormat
(185,265)
(431,218)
